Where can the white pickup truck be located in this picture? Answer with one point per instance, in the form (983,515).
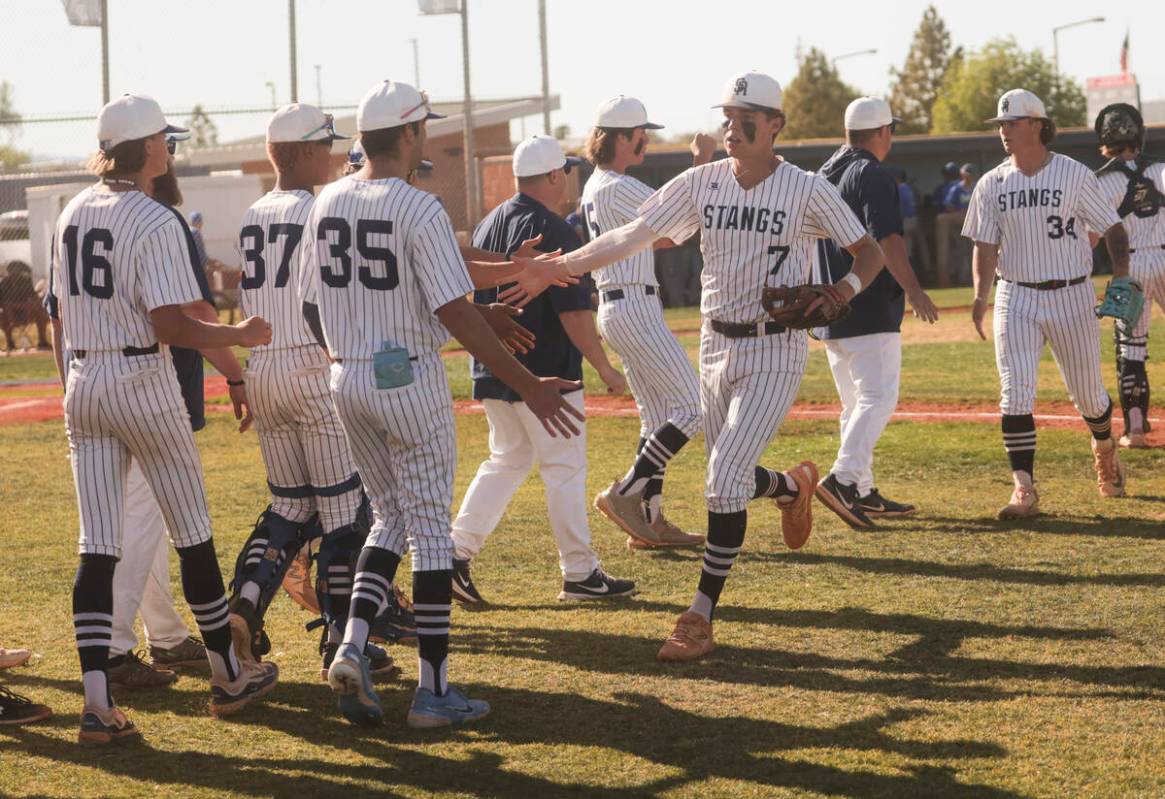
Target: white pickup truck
(14,242)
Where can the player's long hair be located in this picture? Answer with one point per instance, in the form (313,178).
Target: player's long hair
(165,189)
(127,158)
(600,145)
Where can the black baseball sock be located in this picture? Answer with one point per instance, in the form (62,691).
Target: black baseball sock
(1101,426)
(432,597)
(659,448)
(93,624)
(1019,439)
(202,584)
(375,571)
(725,539)
(774,484)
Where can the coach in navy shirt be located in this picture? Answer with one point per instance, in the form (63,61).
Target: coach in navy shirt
(564,330)
(865,350)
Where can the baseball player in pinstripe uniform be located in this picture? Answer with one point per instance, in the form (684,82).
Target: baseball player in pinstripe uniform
(758,217)
(1135,185)
(385,285)
(1029,218)
(120,275)
(314,485)
(630,319)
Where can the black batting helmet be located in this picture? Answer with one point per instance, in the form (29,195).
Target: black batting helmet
(1120,125)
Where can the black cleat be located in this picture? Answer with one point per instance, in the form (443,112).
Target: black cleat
(16,709)
(397,624)
(464,591)
(599,585)
(874,504)
(842,499)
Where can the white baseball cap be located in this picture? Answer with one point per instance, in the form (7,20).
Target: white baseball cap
(623,112)
(300,122)
(1019,104)
(538,155)
(869,113)
(753,90)
(131,117)
(390,104)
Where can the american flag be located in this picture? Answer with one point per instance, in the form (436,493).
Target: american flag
(1125,55)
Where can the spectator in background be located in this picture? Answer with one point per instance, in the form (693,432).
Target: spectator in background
(958,195)
(199,244)
(912,237)
(950,177)
(575,220)
(21,305)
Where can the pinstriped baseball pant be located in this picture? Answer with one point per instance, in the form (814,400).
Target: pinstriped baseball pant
(1146,267)
(404,443)
(747,386)
(118,406)
(1024,320)
(662,379)
(301,438)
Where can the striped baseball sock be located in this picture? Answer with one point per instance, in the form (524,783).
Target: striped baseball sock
(255,550)
(432,599)
(725,539)
(776,485)
(375,570)
(203,587)
(93,624)
(339,597)
(659,448)
(1019,439)
(1101,426)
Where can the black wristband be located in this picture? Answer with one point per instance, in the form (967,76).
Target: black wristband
(233,383)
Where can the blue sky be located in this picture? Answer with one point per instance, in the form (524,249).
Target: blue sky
(675,56)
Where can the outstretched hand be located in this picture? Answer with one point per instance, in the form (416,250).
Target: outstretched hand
(502,319)
(545,400)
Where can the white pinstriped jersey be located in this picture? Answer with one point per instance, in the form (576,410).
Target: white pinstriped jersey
(116,257)
(271,243)
(611,200)
(750,239)
(381,259)
(1040,223)
(1143,232)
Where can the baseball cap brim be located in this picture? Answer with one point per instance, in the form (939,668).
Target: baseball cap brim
(174,129)
(746,106)
(1011,118)
(651,126)
(435,116)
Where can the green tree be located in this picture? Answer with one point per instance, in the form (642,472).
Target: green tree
(203,131)
(561,131)
(815,99)
(974,84)
(10,155)
(917,85)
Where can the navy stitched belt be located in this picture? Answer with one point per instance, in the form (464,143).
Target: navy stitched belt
(1050,285)
(129,352)
(735,330)
(1150,247)
(618,294)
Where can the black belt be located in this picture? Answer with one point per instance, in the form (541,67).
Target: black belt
(618,294)
(736,330)
(1150,247)
(1049,285)
(129,352)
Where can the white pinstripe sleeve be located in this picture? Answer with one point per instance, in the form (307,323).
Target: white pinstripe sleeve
(441,271)
(628,197)
(165,272)
(309,266)
(981,223)
(670,212)
(829,217)
(1096,213)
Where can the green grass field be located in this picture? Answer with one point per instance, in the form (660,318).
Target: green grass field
(946,656)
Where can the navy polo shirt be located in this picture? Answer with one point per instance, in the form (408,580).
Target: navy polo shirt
(872,193)
(187,363)
(553,355)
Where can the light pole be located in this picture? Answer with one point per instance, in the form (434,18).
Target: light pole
(271,85)
(871,51)
(105,51)
(291,47)
(1056,41)
(545,67)
(319,88)
(416,64)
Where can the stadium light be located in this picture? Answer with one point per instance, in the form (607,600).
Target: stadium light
(871,51)
(1056,41)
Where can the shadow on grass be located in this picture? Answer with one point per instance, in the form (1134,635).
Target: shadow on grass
(1101,526)
(686,748)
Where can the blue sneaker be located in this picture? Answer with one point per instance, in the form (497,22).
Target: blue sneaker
(429,710)
(349,677)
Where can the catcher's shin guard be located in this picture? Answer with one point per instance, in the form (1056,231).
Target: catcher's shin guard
(335,566)
(1134,391)
(283,540)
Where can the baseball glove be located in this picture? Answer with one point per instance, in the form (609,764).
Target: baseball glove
(297,582)
(789,305)
(1124,300)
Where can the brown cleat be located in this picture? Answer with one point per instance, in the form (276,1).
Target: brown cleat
(691,639)
(797,516)
(670,536)
(1024,504)
(1110,473)
(101,727)
(626,510)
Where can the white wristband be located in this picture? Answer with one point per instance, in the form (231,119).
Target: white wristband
(854,281)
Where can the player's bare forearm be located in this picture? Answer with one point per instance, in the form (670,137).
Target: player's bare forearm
(898,264)
(487,275)
(480,255)
(1116,238)
(580,329)
(59,349)
(466,324)
(614,245)
(172,326)
(868,260)
(223,358)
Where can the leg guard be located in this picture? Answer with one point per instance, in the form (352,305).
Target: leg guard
(1134,392)
(279,540)
(335,565)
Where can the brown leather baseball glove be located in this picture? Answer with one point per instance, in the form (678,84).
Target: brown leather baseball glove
(789,305)
(297,583)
